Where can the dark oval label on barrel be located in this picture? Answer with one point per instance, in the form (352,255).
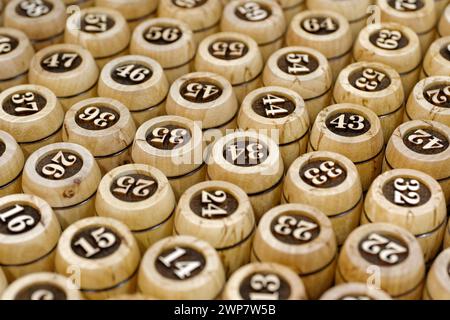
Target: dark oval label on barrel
(18,219)
(406,5)
(298,63)
(41,291)
(445,51)
(323,173)
(23,104)
(189,4)
(130,74)
(95,242)
(60,62)
(96,117)
(426,141)
(200,91)
(252,11)
(7,44)
(348,124)
(214,204)
(294,228)
(59,165)
(180,263)
(406,192)
(34,8)
(228,49)
(246,152)
(168,137)
(369,80)
(383,249)
(264,286)
(320,25)
(273,106)
(162,34)
(134,187)
(388,39)
(438,95)
(2,147)
(96,22)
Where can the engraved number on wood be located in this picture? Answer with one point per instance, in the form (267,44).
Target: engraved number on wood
(57,169)
(100,119)
(405,5)
(388,39)
(269,282)
(251,151)
(297,228)
(96,22)
(55,60)
(5,44)
(386,250)
(270,101)
(187,3)
(139,188)
(102,238)
(327,170)
(439,96)
(233,49)
(370,80)
(15,218)
(405,192)
(314,25)
(182,269)
(207,90)
(34,8)
(175,136)
(168,34)
(356,122)
(426,140)
(129,71)
(211,201)
(297,61)
(252,11)
(42,294)
(27,98)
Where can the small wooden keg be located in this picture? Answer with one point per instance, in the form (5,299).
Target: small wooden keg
(329,182)
(263,20)
(42,286)
(104,253)
(175,146)
(375,86)
(207,98)
(353,131)
(181,268)
(304,70)
(134,11)
(410,199)
(291,8)
(32,115)
(386,256)
(252,161)
(202,16)
(423,146)
(234,56)
(141,197)
(282,114)
(301,237)
(392,44)
(16,52)
(437,286)
(105,127)
(221,214)
(168,41)
(102,31)
(11,165)
(355,11)
(430,100)
(443,28)
(43,21)
(29,233)
(138,82)
(65,175)
(419,15)
(264,281)
(437,59)
(355,291)
(68,70)
(326,31)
